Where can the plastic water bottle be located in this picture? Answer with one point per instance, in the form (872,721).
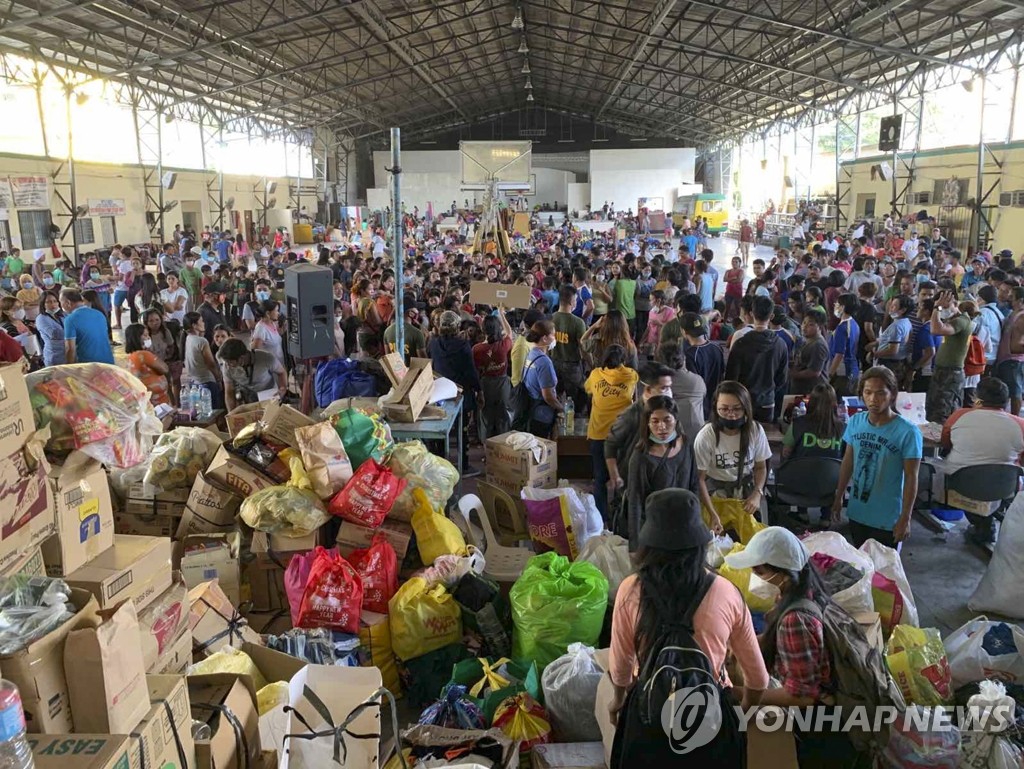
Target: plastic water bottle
(205,403)
(800,410)
(570,417)
(186,399)
(14,749)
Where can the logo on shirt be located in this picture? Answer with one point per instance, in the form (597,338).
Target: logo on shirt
(692,717)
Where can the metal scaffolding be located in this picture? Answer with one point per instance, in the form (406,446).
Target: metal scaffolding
(149,126)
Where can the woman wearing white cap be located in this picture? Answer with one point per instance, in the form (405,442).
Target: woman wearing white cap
(794,644)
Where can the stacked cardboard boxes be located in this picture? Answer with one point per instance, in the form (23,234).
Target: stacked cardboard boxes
(513,469)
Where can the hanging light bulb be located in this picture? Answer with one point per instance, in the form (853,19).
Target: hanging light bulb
(526,69)
(529,84)
(529,96)
(523,47)
(517,22)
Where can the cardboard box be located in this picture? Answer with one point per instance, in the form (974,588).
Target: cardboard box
(505,462)
(178,656)
(38,671)
(146,525)
(234,743)
(84,518)
(215,622)
(136,568)
(273,665)
(29,565)
(164,736)
(265,575)
(26,501)
(210,508)
(513,486)
(162,622)
(569,755)
(494,294)
(234,473)
(279,421)
(16,419)
(413,386)
(352,536)
(144,502)
(213,556)
(277,543)
(80,751)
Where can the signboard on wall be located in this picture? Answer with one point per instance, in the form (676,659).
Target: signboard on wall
(30,191)
(106,207)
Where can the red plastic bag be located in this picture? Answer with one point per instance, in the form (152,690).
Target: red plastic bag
(334,594)
(368,496)
(378,568)
(295,578)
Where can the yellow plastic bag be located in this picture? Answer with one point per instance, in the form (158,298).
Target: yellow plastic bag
(734,518)
(435,534)
(524,719)
(918,663)
(423,619)
(741,579)
(375,639)
(271,696)
(230,660)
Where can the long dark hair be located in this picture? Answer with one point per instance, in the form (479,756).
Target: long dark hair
(654,403)
(821,412)
(738,391)
(668,581)
(805,583)
(615,330)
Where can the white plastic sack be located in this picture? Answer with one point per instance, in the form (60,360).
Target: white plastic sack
(718,548)
(609,553)
(570,693)
(856,598)
(887,563)
(969,661)
(586,519)
(984,742)
(447,570)
(999,590)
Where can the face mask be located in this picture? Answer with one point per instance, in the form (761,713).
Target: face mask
(600,276)
(551,345)
(733,424)
(47,281)
(764,589)
(646,273)
(94,275)
(28,284)
(670,439)
(263,295)
(838,313)
(18,314)
(147,343)
(922,278)
(946,314)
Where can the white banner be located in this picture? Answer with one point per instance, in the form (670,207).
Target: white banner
(30,191)
(106,207)
(6,198)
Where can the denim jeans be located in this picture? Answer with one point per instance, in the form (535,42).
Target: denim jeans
(600,477)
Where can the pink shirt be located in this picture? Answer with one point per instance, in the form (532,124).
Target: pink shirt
(722,625)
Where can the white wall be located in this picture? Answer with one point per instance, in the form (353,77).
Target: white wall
(623,176)
(428,176)
(579,196)
(552,187)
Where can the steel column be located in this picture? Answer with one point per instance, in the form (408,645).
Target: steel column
(847,149)
(397,239)
(149,147)
(72,192)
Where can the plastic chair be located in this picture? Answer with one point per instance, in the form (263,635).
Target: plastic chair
(506,513)
(504,564)
(807,482)
(987,483)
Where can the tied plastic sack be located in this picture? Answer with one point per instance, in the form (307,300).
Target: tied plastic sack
(413,462)
(523,718)
(485,613)
(178,457)
(423,619)
(447,570)
(925,739)
(555,603)
(295,578)
(334,593)
(609,553)
(363,435)
(292,510)
(917,662)
(892,596)
(718,548)
(570,693)
(96,407)
(984,649)
(999,589)
(757,596)
(583,517)
(734,517)
(454,710)
(377,566)
(435,534)
(857,598)
(324,458)
(30,607)
(491,683)
(985,739)
(368,496)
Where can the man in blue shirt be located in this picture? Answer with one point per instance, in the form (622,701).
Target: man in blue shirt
(86,336)
(882,458)
(690,241)
(223,247)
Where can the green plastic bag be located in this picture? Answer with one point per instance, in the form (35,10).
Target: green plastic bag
(424,677)
(556,602)
(520,677)
(364,435)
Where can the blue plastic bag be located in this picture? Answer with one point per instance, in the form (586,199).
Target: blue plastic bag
(342,378)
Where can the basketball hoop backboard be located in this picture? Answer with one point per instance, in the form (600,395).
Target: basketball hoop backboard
(508,163)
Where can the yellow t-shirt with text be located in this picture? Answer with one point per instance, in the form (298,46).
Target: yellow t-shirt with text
(611,391)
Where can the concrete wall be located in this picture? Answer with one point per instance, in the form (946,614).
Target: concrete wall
(579,196)
(96,180)
(623,176)
(936,165)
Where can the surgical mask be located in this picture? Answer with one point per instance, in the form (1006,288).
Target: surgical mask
(764,589)
(147,343)
(922,278)
(28,284)
(94,275)
(263,295)
(551,345)
(47,281)
(946,314)
(646,273)
(670,439)
(18,314)
(838,313)
(733,424)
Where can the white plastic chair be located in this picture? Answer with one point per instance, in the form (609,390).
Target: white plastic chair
(504,564)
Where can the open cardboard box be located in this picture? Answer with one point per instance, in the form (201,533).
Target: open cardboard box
(413,385)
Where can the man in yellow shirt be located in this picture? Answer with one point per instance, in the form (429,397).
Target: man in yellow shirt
(611,388)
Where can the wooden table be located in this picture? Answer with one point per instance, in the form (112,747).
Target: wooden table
(574,451)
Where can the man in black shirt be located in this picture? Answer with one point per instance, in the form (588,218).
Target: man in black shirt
(759,360)
(212,308)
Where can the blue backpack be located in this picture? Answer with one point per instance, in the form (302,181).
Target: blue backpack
(342,378)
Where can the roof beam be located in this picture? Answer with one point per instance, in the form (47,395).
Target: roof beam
(30,21)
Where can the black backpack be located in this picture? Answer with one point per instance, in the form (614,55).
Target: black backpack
(678,706)
(522,402)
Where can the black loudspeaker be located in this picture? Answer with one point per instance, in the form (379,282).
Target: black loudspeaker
(889,133)
(309,298)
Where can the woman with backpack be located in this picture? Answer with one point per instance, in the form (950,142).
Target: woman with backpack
(797,646)
(675,622)
(535,401)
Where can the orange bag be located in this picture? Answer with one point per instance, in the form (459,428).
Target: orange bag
(378,568)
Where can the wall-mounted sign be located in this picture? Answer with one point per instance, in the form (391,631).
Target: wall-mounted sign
(106,207)
(30,191)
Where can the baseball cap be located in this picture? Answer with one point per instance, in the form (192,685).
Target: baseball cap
(773,546)
(673,521)
(196,251)
(693,323)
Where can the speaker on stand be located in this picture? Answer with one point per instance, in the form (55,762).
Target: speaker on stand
(309,319)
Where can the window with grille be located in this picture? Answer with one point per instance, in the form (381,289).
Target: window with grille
(35,229)
(84,232)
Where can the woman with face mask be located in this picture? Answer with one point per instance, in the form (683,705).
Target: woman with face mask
(50,329)
(144,364)
(663,459)
(541,383)
(731,434)
(795,649)
(29,296)
(12,316)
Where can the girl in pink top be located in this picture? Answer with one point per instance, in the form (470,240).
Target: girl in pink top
(660,314)
(671,571)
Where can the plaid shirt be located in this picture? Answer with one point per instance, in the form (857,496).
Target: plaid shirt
(802,663)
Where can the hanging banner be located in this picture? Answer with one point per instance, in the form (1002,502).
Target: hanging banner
(6,197)
(30,191)
(106,207)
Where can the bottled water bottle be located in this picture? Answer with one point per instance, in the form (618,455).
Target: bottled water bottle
(196,401)
(205,403)
(14,749)
(570,417)
(186,399)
